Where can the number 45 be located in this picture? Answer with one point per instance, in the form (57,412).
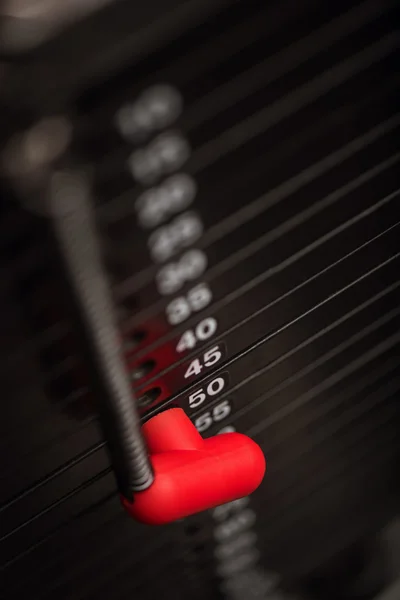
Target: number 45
(209,358)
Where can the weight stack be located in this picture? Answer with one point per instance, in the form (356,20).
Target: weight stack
(243,161)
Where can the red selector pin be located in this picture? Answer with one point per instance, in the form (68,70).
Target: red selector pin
(192,474)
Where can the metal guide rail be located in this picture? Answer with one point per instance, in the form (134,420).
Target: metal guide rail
(246,181)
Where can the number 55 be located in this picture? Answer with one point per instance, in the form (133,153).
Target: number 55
(218,413)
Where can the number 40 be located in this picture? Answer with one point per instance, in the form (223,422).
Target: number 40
(203,331)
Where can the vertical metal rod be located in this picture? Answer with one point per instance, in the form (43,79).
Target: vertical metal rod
(74,227)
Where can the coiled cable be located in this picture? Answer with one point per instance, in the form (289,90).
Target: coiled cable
(74,227)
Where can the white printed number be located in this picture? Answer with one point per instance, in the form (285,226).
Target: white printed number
(156,205)
(209,358)
(164,155)
(245,540)
(239,563)
(213,388)
(173,276)
(182,232)
(235,525)
(227,429)
(224,511)
(181,308)
(156,108)
(218,413)
(203,331)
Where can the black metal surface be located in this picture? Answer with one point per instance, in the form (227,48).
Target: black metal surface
(290,112)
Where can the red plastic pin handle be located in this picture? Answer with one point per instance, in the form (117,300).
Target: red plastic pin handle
(192,474)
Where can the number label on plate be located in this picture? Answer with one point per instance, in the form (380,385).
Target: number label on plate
(202,332)
(173,276)
(216,414)
(158,204)
(181,308)
(157,107)
(164,155)
(208,359)
(208,391)
(236,524)
(169,239)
